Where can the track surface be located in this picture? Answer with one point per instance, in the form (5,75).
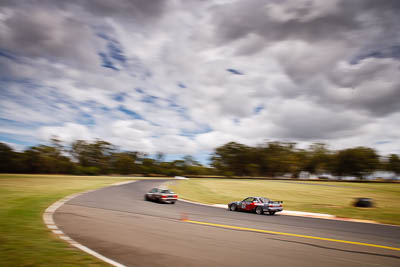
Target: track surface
(119,224)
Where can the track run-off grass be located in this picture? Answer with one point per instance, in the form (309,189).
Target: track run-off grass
(334,198)
(24,238)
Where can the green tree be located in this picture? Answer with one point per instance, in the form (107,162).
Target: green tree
(278,158)
(148,166)
(96,154)
(160,157)
(231,157)
(46,159)
(394,164)
(253,169)
(358,162)
(7,159)
(124,162)
(318,159)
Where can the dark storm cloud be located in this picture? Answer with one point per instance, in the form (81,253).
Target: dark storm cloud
(136,9)
(64,29)
(301,69)
(312,127)
(130,8)
(320,38)
(239,19)
(374,86)
(35,32)
(235,21)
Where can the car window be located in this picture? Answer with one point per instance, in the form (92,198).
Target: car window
(154,190)
(166,191)
(249,199)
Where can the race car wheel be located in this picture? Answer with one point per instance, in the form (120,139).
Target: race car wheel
(259,210)
(146,198)
(271,212)
(233,207)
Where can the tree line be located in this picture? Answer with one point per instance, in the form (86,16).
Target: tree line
(271,159)
(274,159)
(93,158)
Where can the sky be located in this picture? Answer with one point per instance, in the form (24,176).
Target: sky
(183,77)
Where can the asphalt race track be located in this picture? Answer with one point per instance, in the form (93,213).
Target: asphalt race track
(117,223)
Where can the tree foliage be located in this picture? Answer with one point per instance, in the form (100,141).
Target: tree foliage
(8,159)
(358,162)
(283,158)
(97,154)
(272,159)
(92,158)
(393,164)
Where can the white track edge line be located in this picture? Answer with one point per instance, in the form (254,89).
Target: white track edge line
(51,225)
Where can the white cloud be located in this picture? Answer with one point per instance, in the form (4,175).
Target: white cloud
(311,72)
(68,132)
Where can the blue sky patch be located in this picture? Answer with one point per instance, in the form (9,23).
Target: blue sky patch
(116,51)
(8,55)
(258,109)
(106,62)
(389,52)
(148,74)
(149,99)
(119,97)
(382,142)
(172,104)
(181,110)
(26,84)
(205,129)
(202,157)
(8,138)
(236,72)
(86,119)
(103,36)
(105,109)
(8,122)
(130,113)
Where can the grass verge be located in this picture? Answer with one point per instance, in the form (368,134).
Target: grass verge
(24,239)
(334,198)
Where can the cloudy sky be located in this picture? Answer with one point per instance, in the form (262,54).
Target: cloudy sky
(184,76)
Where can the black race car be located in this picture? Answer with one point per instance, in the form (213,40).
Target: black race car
(258,205)
(161,195)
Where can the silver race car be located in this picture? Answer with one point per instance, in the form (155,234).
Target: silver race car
(258,205)
(161,195)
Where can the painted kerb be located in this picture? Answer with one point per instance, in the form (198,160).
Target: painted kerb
(49,221)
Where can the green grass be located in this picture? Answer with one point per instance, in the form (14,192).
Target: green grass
(24,239)
(334,198)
